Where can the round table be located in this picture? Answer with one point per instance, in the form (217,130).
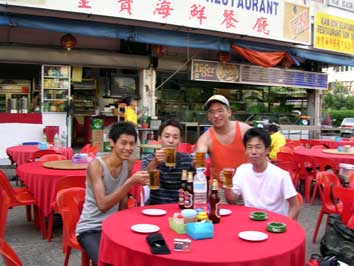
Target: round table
(120,246)
(337,158)
(331,144)
(41,182)
(23,153)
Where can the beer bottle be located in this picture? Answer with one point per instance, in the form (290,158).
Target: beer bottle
(214,203)
(182,189)
(188,194)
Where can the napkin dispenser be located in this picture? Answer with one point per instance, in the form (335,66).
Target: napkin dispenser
(200,230)
(42,146)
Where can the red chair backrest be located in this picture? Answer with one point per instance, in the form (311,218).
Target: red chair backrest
(51,157)
(92,150)
(6,186)
(4,206)
(291,167)
(69,182)
(327,181)
(137,190)
(70,202)
(324,164)
(351,177)
(185,148)
(8,254)
(346,196)
(38,154)
(85,148)
(50,132)
(285,156)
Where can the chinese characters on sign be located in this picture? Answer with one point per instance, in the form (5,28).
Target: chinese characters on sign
(344,4)
(256,18)
(334,33)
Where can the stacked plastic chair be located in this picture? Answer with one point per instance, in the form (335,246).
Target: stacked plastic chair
(8,255)
(326,182)
(70,202)
(51,157)
(63,183)
(38,154)
(22,197)
(346,197)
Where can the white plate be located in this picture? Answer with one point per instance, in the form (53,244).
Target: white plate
(154,212)
(224,212)
(253,235)
(145,228)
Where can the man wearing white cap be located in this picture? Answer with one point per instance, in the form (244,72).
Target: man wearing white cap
(223,141)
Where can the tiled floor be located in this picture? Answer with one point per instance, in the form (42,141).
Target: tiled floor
(33,251)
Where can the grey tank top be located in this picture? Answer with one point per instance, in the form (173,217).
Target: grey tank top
(91,217)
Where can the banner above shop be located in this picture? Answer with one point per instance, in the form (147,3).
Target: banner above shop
(276,19)
(334,33)
(203,70)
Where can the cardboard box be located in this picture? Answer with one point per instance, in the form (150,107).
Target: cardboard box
(99,145)
(97,123)
(97,135)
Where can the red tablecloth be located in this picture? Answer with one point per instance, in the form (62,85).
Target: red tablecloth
(22,153)
(337,158)
(120,246)
(331,144)
(41,182)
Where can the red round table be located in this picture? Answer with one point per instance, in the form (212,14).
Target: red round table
(337,158)
(22,153)
(120,246)
(41,182)
(331,144)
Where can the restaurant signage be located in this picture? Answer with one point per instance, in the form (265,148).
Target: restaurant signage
(334,33)
(344,4)
(270,19)
(203,70)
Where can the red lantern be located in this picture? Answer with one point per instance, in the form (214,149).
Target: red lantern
(224,57)
(158,50)
(68,41)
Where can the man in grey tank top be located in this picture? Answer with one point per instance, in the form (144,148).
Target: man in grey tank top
(107,186)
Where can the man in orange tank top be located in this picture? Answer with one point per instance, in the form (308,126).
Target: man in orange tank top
(223,141)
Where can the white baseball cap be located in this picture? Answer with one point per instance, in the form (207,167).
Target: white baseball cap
(217,98)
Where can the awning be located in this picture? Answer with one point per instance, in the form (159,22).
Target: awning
(161,37)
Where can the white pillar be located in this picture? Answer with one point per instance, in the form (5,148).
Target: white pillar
(147,82)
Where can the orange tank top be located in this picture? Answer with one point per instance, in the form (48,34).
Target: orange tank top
(226,155)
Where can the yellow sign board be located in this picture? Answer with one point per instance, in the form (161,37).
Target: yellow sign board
(334,33)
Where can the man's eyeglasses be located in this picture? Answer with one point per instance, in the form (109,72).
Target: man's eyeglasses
(216,112)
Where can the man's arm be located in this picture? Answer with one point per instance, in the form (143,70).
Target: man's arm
(244,127)
(230,196)
(159,157)
(294,208)
(105,202)
(203,143)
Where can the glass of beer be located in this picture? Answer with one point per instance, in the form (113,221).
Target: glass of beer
(227,174)
(170,156)
(199,159)
(154,179)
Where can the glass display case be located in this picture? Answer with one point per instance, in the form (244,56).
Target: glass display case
(55,87)
(84,96)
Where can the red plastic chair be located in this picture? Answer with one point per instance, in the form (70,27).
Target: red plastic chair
(306,173)
(70,202)
(351,179)
(323,164)
(51,157)
(318,147)
(92,150)
(136,192)
(63,183)
(38,154)
(85,148)
(326,182)
(22,197)
(292,168)
(50,132)
(346,196)
(185,148)
(8,254)
(4,207)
